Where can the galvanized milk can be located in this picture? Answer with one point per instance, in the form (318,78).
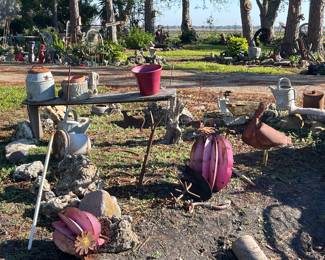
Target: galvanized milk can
(40,84)
(284,94)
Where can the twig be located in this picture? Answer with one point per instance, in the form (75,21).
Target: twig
(146,156)
(265,157)
(191,205)
(243,177)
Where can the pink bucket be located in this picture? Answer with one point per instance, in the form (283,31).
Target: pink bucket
(148,78)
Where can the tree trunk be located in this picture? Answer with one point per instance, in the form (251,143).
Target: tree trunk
(110,18)
(186,19)
(315,25)
(149,16)
(245,8)
(55,14)
(268,13)
(75,20)
(292,26)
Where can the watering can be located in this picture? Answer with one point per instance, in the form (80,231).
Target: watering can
(284,94)
(76,125)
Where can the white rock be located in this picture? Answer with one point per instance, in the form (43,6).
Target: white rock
(28,171)
(18,149)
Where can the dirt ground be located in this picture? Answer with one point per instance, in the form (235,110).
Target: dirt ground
(285,211)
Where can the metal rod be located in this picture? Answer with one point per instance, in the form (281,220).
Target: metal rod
(39,195)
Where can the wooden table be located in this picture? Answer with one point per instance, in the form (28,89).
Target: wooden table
(129,97)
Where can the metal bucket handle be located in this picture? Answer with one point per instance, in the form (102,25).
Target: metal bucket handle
(69,111)
(284,79)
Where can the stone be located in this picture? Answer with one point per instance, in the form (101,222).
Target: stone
(286,63)
(185,117)
(101,204)
(18,149)
(292,122)
(119,230)
(48,124)
(24,131)
(234,120)
(47,192)
(77,174)
(28,171)
(54,205)
(56,113)
(269,61)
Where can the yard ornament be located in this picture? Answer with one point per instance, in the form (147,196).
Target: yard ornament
(212,157)
(77,233)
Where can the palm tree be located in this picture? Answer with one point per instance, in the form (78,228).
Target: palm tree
(149,16)
(315,25)
(75,20)
(245,8)
(110,18)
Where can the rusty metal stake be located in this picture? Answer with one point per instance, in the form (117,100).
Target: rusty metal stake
(146,156)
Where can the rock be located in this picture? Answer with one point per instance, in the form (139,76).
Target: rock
(28,171)
(18,149)
(304,64)
(48,124)
(54,205)
(24,131)
(122,238)
(77,174)
(286,63)
(292,122)
(269,61)
(47,192)
(100,204)
(234,120)
(56,113)
(186,117)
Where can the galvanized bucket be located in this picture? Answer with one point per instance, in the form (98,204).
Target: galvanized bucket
(75,89)
(40,84)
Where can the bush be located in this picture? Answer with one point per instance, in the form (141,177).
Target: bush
(236,46)
(112,52)
(137,39)
(189,36)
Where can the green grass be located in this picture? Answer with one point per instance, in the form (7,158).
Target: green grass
(222,68)
(192,51)
(11,97)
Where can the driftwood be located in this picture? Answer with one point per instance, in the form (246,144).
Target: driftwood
(246,248)
(173,132)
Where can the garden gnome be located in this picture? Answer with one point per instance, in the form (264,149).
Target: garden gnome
(41,54)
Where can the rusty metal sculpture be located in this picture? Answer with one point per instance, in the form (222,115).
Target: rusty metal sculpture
(262,136)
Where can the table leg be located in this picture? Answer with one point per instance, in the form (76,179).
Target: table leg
(35,121)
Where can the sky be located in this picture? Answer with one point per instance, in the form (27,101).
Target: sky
(222,15)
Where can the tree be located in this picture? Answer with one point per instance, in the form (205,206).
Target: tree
(149,16)
(110,18)
(188,33)
(292,28)
(75,20)
(55,14)
(245,8)
(8,10)
(315,25)
(268,13)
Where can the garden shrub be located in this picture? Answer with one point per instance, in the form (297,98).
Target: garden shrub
(212,38)
(138,39)
(236,46)
(189,36)
(113,52)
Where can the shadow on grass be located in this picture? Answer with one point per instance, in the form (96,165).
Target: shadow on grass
(41,250)
(295,178)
